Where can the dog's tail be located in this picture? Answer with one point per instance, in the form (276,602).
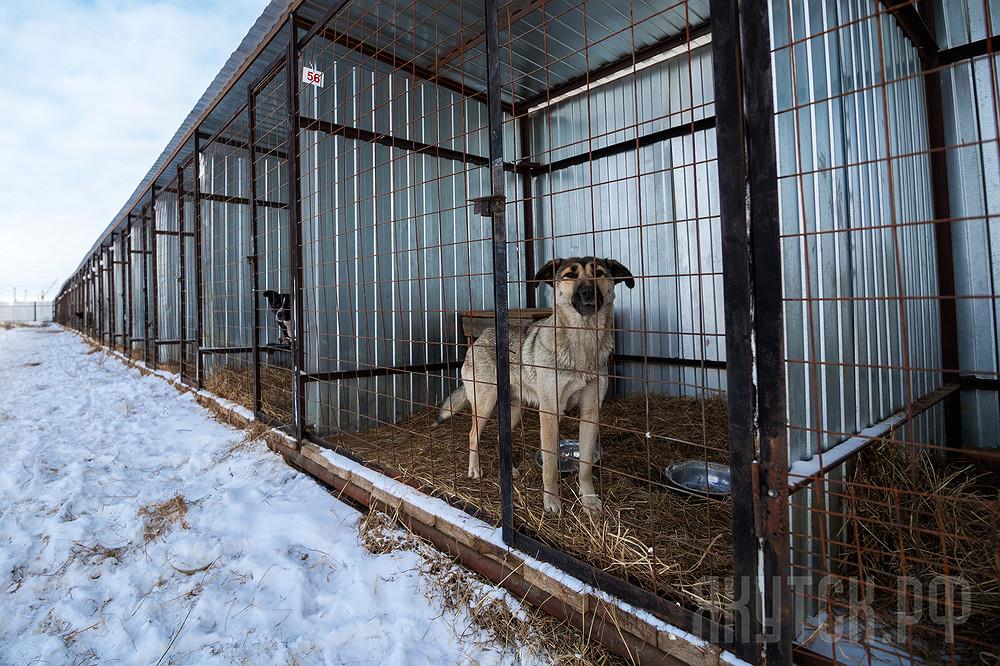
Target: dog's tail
(454,403)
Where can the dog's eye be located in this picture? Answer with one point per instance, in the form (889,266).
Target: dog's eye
(569,275)
(600,272)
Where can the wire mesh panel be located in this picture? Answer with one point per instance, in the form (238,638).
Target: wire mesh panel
(893,548)
(273,278)
(393,257)
(167,239)
(227,290)
(619,231)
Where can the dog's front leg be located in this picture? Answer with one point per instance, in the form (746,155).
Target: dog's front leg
(549,418)
(590,396)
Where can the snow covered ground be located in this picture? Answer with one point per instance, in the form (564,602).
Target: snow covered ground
(254,563)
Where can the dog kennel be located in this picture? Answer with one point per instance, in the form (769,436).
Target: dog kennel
(806,194)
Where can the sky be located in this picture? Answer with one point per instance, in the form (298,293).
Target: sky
(91,91)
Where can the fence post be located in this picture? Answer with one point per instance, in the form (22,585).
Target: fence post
(154,277)
(199,298)
(751,250)
(295,231)
(495,207)
(128,305)
(252,259)
(181,273)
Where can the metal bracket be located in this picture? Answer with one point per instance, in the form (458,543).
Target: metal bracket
(487,206)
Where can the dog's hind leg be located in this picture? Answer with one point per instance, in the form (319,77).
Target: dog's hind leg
(590,396)
(482,399)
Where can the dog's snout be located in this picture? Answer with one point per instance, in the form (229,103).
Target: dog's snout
(587,293)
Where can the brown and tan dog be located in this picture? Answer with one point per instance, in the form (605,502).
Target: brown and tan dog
(555,363)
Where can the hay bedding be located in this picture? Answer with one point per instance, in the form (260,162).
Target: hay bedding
(946,522)
(655,537)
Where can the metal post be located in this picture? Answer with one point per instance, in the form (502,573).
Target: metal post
(129,305)
(754,329)
(942,234)
(295,231)
(495,206)
(112,293)
(252,259)
(199,372)
(182,295)
(154,278)
(527,211)
(144,226)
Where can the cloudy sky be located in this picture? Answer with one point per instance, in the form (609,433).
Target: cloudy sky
(90,93)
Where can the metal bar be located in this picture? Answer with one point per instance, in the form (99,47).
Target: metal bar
(252,259)
(295,228)
(112,294)
(498,213)
(240,201)
(144,226)
(768,326)
(199,297)
(182,294)
(236,143)
(976,49)
(623,63)
(175,234)
(686,129)
(527,210)
(945,264)
(226,350)
(330,14)
(129,304)
(804,472)
(671,360)
(382,371)
(154,276)
(732,168)
(336,129)
(974,383)
(913,26)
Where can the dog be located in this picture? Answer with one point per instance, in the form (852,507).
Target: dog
(556,363)
(281,306)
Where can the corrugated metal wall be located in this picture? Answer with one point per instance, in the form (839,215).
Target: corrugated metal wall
(654,209)
(971,126)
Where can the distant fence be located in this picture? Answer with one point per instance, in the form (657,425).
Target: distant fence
(28,311)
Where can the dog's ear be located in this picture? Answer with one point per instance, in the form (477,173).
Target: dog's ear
(620,273)
(547,273)
(272,298)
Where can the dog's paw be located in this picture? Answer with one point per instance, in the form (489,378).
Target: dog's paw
(592,503)
(474,471)
(552,504)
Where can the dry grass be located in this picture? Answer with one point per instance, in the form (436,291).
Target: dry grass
(917,515)
(451,586)
(649,534)
(235,383)
(160,517)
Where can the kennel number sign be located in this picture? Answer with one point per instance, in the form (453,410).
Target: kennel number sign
(312,76)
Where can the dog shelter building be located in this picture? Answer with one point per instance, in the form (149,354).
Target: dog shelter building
(808,196)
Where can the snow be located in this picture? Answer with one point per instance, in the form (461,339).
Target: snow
(265,569)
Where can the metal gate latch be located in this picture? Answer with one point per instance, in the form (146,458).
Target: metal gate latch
(487,206)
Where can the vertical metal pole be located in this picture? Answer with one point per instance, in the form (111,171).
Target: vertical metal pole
(252,259)
(754,328)
(99,300)
(154,278)
(144,226)
(182,295)
(527,211)
(129,304)
(942,234)
(112,290)
(199,297)
(497,207)
(295,230)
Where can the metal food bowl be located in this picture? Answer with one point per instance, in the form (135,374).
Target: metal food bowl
(569,456)
(697,477)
